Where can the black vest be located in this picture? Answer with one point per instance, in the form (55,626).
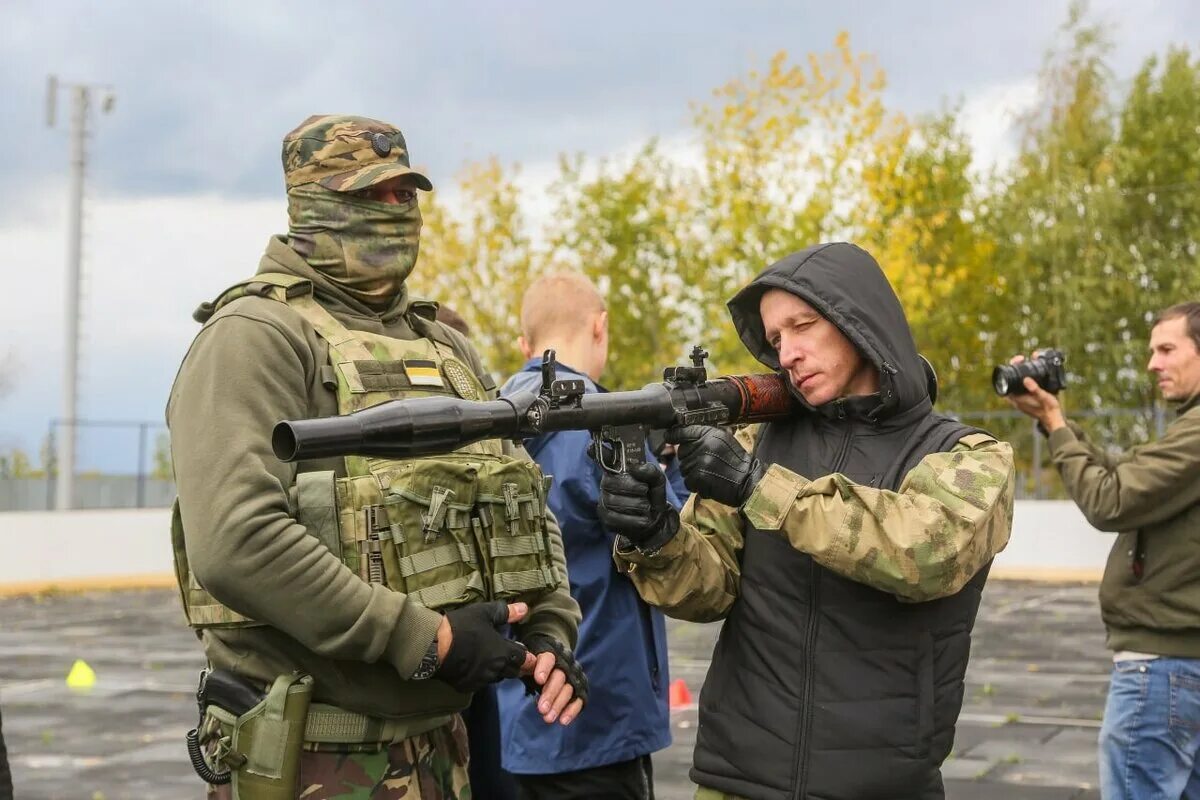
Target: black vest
(822,688)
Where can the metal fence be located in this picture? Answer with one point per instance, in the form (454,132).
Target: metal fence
(1117,429)
(92,491)
(119,464)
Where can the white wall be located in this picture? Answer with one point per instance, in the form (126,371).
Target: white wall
(53,545)
(1050,539)
(1052,535)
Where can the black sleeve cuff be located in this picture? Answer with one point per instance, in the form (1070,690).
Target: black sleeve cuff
(649,547)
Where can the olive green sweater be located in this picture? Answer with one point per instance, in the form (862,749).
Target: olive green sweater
(1150,495)
(254,363)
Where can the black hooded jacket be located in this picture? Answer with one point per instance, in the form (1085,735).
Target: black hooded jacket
(822,688)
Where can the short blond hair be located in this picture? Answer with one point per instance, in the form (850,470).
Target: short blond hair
(558,303)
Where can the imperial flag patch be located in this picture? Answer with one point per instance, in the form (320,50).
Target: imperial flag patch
(423,372)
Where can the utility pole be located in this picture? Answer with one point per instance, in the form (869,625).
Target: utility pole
(81,98)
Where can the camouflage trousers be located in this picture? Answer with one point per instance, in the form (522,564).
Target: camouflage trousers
(429,766)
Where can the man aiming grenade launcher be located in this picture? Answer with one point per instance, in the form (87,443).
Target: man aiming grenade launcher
(619,421)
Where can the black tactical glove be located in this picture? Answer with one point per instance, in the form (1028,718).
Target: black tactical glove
(479,654)
(714,465)
(564,659)
(634,504)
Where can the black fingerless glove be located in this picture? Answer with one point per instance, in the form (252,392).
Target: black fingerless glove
(479,654)
(634,505)
(714,464)
(564,659)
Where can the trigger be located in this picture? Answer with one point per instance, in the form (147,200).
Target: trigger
(596,450)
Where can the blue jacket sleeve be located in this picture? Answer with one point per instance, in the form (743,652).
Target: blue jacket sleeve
(675,481)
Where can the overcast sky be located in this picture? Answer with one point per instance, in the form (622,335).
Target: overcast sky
(185,182)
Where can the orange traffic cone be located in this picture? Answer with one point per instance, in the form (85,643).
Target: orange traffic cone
(678,695)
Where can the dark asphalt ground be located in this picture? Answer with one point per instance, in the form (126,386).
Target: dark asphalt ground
(1035,692)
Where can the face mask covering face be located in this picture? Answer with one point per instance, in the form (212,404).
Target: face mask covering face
(366,247)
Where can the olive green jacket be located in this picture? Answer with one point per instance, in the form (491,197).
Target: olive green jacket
(1150,495)
(254,363)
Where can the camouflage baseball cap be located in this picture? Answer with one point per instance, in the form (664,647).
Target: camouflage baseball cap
(346,154)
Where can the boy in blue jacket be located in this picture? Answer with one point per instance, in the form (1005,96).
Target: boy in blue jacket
(622,640)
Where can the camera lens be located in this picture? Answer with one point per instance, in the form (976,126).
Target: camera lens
(1002,378)
(1046,370)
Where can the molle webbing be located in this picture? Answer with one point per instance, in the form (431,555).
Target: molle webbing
(528,580)
(446,530)
(278,286)
(516,546)
(378,376)
(437,557)
(447,593)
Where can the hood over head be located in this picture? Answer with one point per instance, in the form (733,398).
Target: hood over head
(844,284)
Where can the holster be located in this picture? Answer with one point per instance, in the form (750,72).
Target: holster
(260,746)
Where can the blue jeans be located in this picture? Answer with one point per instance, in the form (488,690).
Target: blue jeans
(1151,731)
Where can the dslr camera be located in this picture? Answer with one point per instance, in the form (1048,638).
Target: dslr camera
(1046,369)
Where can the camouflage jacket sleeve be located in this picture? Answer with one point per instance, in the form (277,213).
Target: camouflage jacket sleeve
(555,613)
(694,576)
(951,515)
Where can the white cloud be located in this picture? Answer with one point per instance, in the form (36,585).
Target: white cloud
(989,117)
(147,264)
(537,177)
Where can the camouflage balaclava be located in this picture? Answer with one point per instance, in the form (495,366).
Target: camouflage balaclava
(366,247)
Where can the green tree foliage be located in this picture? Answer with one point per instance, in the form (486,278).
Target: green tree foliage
(1049,213)
(782,156)
(480,261)
(626,229)
(162,469)
(918,215)
(1077,243)
(16,464)
(669,242)
(1096,225)
(1156,170)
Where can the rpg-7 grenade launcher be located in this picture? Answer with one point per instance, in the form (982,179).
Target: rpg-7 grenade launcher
(618,421)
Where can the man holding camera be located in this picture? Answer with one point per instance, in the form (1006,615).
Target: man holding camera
(1150,593)
(846,548)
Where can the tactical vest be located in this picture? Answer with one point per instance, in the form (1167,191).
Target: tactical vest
(446,530)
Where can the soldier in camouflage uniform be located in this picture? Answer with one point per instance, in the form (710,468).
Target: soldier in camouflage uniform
(372,593)
(845,548)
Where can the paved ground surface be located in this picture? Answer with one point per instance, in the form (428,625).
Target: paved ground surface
(1028,729)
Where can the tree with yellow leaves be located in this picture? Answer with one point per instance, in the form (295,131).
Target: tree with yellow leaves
(479,260)
(782,152)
